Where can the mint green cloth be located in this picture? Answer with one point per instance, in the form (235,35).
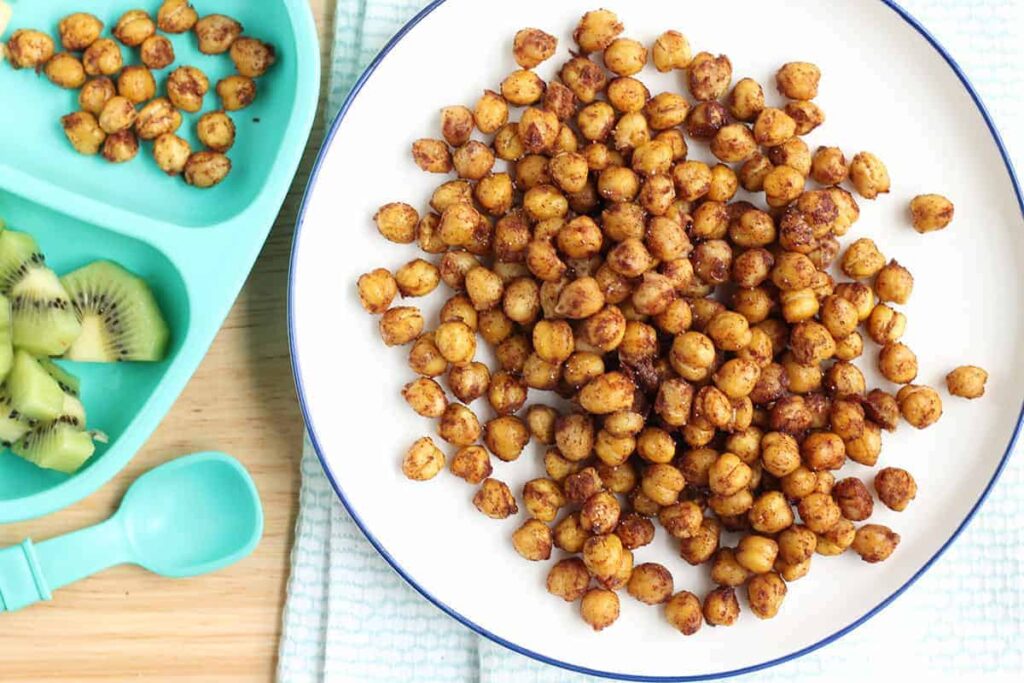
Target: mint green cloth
(349,617)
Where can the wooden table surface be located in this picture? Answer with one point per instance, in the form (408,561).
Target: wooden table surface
(128,624)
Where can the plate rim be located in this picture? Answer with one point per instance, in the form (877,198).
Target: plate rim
(958,71)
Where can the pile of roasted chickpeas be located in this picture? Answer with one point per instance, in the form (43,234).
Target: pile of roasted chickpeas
(118,103)
(703,344)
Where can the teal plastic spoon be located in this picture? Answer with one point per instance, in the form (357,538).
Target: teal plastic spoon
(191,516)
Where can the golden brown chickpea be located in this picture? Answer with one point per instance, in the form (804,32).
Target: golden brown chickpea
(662,483)
(692,355)
(136,83)
(861,296)
(752,228)
(854,499)
(176,16)
(782,185)
(596,30)
(95,94)
(626,94)
(634,530)
(701,546)
(721,608)
(522,88)
(456,341)
(602,554)
(824,450)
(807,115)
(484,288)
(829,166)
(737,377)
(897,363)
(506,436)
(397,222)
(811,343)
(798,80)
(134,27)
(770,513)
(377,289)
(773,127)
(930,212)
(65,71)
(712,261)
(967,381)
(584,78)
(651,584)
(682,519)
(491,112)
(473,160)
(728,475)
(793,153)
(458,307)
(724,183)
(818,511)
(865,448)
(512,353)
(756,554)
(836,540)
(845,380)
(726,571)
(531,46)
(862,259)
(468,381)
(886,326)
(796,544)
(532,540)
(118,114)
(458,426)
(869,176)
(798,304)
(600,513)
(599,608)
(574,436)
(216,131)
(621,478)
(849,347)
(706,119)
(156,52)
(799,483)
(236,92)
(494,499)
(450,193)
(734,143)
(253,57)
(848,211)
(425,396)
(618,184)
(431,156)
(801,379)
(710,221)
(83,132)
(676,318)
(894,283)
(399,325)
(746,100)
(765,593)
(920,406)
(752,174)
(671,50)
(875,542)
(186,87)
(839,316)
(29,49)
(471,463)
(78,31)
(216,33)
(568,579)
(656,445)
(730,331)
(543,499)
(423,460)
(771,385)
(651,158)
(683,611)
(456,125)
(709,77)
(896,488)
(581,298)
(625,57)
(666,110)
(172,154)
(609,393)
(506,394)
(159,117)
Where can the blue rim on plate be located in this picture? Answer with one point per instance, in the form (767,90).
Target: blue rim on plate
(902,13)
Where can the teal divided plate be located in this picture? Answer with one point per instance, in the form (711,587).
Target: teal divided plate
(195,247)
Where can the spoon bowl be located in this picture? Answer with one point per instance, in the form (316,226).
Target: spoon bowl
(191,516)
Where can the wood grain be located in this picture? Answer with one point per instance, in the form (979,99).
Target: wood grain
(126,623)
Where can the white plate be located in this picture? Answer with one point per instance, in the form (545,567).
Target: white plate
(886,88)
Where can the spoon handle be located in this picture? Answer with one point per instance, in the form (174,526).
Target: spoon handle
(29,572)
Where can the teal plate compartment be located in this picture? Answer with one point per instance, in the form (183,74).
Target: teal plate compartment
(195,247)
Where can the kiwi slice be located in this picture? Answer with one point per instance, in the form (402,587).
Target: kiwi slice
(6,347)
(13,425)
(34,393)
(42,319)
(119,316)
(58,445)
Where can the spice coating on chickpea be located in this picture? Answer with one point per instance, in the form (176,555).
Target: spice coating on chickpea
(171,153)
(869,175)
(176,16)
(252,57)
(596,30)
(236,92)
(423,460)
(216,131)
(765,593)
(829,166)
(494,499)
(95,94)
(967,381)
(83,132)
(875,542)
(118,114)
(377,289)
(471,463)
(532,540)
(930,212)
(671,50)
(136,83)
(920,406)
(159,117)
(134,27)
(216,33)
(79,30)
(683,611)
(65,71)
(102,58)
(568,579)
(721,608)
(798,80)
(186,87)
(599,608)
(29,49)
(156,52)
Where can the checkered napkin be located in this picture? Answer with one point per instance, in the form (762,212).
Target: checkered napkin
(349,617)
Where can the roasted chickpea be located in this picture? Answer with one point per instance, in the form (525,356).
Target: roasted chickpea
(756,554)
(920,406)
(829,166)
(253,57)
(734,143)
(634,530)
(773,127)
(796,544)
(532,540)
(721,608)
(134,27)
(377,289)
(869,176)
(118,114)
(862,259)
(599,608)
(425,396)
(79,30)
(875,542)
(824,450)
(861,296)
(897,363)
(896,488)
(666,110)
(216,33)
(967,381)
(782,185)
(765,593)
(136,83)
(885,325)
(626,94)
(543,499)
(397,222)
(651,584)
(894,283)
(95,94)
(706,119)
(574,436)
(531,46)
(236,92)
(456,124)
(662,483)
(83,132)
(746,100)
(584,78)
(728,475)
(102,58)
(849,347)
(602,554)
(600,513)
(726,571)
(752,174)
(819,512)
(156,52)
(709,77)
(854,499)
(799,483)
(683,611)
(176,16)
(506,436)
(186,87)
(65,71)
(472,463)
(798,304)
(930,212)
(807,115)
(798,80)
(625,57)
(159,117)
(596,30)
(423,460)
(494,499)
(793,153)
(399,325)
(811,343)
(216,131)
(568,579)
(682,519)
(770,513)
(29,49)
(172,153)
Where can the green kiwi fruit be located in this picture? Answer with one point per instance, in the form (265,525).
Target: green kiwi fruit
(119,316)
(42,319)
(6,347)
(34,392)
(13,425)
(58,445)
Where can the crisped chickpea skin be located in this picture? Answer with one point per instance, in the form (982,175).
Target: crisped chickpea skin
(216,131)
(176,16)
(79,30)
(186,87)
(765,593)
(494,499)
(568,579)
(967,381)
(252,57)
(216,33)
(869,175)
(896,488)
(683,611)
(532,540)
(599,608)
(236,92)
(423,460)
(471,463)
(29,49)
(65,71)
(172,153)
(875,542)
(156,52)
(920,406)
(134,27)
(102,58)
(721,608)
(83,132)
